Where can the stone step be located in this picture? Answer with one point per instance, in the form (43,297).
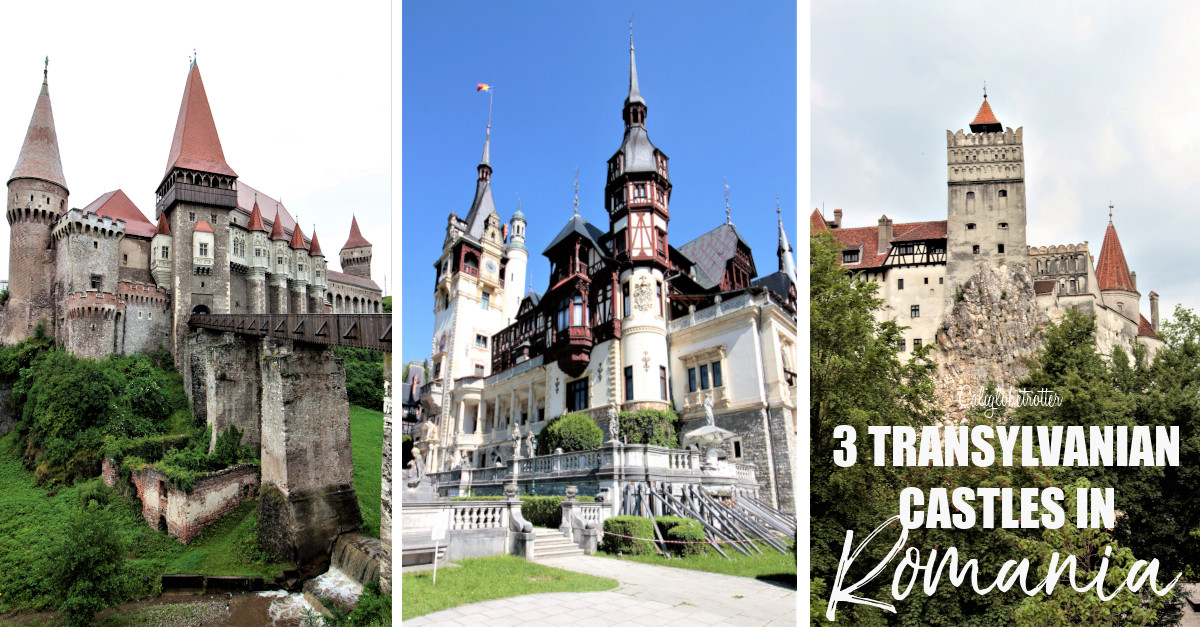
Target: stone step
(553,542)
(539,554)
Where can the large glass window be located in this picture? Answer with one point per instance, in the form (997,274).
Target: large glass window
(716,374)
(704,377)
(577,395)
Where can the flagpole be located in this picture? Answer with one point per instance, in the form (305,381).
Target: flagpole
(491,94)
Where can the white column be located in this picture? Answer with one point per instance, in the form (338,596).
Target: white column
(462,407)
(512,409)
(480,415)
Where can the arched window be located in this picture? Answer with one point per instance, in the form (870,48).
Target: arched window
(200,309)
(1004,193)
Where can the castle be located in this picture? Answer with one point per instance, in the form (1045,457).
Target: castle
(104,279)
(921,266)
(627,322)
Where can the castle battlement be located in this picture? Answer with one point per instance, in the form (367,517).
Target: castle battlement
(1058,250)
(94,304)
(961,139)
(93,224)
(144,295)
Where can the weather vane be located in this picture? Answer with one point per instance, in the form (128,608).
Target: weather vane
(576,190)
(985,90)
(1110,208)
(46,70)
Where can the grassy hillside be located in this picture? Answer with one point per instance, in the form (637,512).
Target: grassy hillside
(366,440)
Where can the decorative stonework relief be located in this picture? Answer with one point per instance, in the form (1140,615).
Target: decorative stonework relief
(643,295)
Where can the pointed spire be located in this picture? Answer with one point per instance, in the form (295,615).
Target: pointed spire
(39,157)
(1112,271)
(576,191)
(256,219)
(487,141)
(634,94)
(356,239)
(297,239)
(196,145)
(728,214)
(277,227)
(314,249)
(985,121)
(787,264)
(164,228)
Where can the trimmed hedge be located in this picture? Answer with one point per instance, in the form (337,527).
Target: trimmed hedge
(686,530)
(542,511)
(651,426)
(570,432)
(634,526)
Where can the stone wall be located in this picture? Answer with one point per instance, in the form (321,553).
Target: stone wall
(240,299)
(185,514)
(134,262)
(766,443)
(991,335)
(146,324)
(385,493)
(231,381)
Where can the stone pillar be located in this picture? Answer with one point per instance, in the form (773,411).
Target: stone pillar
(308,498)
(300,299)
(231,382)
(279,295)
(258,291)
(385,491)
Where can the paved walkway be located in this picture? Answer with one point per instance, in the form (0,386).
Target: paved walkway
(648,595)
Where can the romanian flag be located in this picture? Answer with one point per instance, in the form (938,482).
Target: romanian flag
(482,87)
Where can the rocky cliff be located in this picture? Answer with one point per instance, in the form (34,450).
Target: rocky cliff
(991,334)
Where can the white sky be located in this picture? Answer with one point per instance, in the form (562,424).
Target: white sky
(1108,95)
(300,93)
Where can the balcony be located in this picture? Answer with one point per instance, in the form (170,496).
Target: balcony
(572,349)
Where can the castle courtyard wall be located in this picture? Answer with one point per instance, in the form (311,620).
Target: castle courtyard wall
(185,514)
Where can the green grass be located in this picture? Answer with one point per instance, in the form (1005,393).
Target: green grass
(228,548)
(366,443)
(770,565)
(488,578)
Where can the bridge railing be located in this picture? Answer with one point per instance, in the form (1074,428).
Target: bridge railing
(373,331)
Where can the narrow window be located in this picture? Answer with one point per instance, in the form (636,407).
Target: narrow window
(629,383)
(625,297)
(941,279)
(926,280)
(203,249)
(915,311)
(716,372)
(704,376)
(577,311)
(95,281)
(903,346)
(662,379)
(485,300)
(1000,248)
(737,448)
(125,258)
(916,343)
(479,370)
(975,250)
(899,284)
(691,379)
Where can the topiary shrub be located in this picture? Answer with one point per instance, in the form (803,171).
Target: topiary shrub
(570,432)
(686,530)
(657,427)
(633,526)
(542,511)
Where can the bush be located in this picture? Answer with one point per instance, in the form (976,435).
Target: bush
(542,511)
(570,432)
(685,530)
(88,570)
(374,607)
(633,526)
(364,376)
(94,491)
(657,427)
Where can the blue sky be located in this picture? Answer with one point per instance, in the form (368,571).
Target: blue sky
(719,80)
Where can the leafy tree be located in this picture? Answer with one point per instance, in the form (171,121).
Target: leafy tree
(1069,607)
(387,304)
(856,378)
(656,427)
(570,432)
(364,376)
(88,568)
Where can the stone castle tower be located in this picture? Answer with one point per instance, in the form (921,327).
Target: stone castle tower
(985,198)
(356,253)
(637,197)
(37,196)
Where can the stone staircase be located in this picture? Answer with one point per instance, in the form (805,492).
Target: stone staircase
(551,543)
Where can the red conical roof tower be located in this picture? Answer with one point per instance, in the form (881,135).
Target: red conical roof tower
(1112,272)
(163,227)
(297,239)
(314,249)
(277,228)
(196,145)
(356,239)
(256,219)
(985,121)
(39,154)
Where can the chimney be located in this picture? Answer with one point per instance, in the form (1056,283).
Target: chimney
(1154,311)
(885,234)
(837,218)
(1133,277)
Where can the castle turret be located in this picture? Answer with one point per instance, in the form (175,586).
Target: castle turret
(985,198)
(281,266)
(1114,279)
(356,252)
(514,269)
(637,197)
(299,283)
(197,187)
(160,253)
(259,260)
(316,287)
(37,196)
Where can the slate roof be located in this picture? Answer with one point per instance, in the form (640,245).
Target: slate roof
(117,205)
(39,157)
(1112,272)
(711,251)
(350,279)
(577,225)
(777,282)
(638,150)
(196,145)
